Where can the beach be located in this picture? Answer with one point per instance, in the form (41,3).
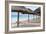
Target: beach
(25,23)
(34,20)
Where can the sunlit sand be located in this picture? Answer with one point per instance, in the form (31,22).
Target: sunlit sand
(26,23)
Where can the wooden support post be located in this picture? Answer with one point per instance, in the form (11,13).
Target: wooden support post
(28,18)
(18,20)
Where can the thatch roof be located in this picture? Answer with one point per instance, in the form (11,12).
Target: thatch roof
(18,8)
(21,9)
(37,11)
(24,10)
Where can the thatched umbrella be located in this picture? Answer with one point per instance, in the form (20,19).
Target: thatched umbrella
(23,10)
(38,11)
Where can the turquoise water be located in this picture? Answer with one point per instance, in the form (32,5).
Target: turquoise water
(14,16)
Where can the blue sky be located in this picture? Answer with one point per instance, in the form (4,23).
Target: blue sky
(32,7)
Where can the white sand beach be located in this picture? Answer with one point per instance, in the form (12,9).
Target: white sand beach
(25,23)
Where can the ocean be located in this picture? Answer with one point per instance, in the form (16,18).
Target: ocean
(22,17)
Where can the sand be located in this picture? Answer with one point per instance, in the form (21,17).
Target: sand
(25,23)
